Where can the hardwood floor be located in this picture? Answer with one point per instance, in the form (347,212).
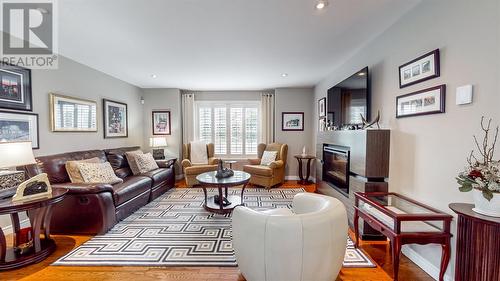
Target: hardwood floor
(43,271)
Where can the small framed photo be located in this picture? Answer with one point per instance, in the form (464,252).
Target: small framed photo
(292,121)
(420,69)
(115,119)
(322,107)
(428,101)
(19,126)
(15,90)
(69,114)
(161,123)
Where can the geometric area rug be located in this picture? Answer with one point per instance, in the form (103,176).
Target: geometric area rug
(175,230)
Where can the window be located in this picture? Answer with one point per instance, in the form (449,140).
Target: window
(233,127)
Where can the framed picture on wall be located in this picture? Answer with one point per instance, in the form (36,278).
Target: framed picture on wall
(420,69)
(322,107)
(423,102)
(292,121)
(161,123)
(19,126)
(115,119)
(69,114)
(15,90)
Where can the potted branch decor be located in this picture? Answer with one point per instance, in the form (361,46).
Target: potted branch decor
(482,174)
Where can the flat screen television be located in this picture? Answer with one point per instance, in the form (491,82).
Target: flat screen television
(349,99)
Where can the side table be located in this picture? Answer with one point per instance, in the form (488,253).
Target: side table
(39,212)
(208,179)
(478,246)
(300,159)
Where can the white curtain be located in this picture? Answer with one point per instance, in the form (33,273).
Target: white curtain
(267,118)
(188,117)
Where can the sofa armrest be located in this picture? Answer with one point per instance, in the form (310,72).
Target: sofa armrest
(165,163)
(213,161)
(186,163)
(276,164)
(254,161)
(85,188)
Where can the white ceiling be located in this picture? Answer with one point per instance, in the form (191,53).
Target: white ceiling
(220,44)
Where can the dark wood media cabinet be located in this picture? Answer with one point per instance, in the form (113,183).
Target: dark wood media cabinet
(369,152)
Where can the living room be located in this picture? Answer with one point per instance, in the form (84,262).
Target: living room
(250,140)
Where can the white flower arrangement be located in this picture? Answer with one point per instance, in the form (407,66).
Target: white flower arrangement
(483,173)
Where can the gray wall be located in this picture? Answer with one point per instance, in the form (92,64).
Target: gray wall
(300,100)
(427,152)
(77,80)
(164,99)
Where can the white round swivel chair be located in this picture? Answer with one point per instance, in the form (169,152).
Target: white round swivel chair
(306,244)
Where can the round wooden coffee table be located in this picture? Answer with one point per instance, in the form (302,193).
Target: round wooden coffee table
(208,180)
(39,212)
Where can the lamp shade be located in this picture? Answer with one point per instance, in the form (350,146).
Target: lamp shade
(158,142)
(16,154)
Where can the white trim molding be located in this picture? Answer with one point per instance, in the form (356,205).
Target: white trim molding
(296,178)
(424,264)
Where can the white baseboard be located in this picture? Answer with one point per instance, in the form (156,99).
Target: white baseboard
(424,264)
(179,177)
(8,229)
(296,178)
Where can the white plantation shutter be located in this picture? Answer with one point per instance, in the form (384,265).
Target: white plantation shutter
(233,127)
(237,130)
(251,130)
(220,137)
(205,124)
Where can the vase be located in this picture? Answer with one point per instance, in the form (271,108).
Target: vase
(483,206)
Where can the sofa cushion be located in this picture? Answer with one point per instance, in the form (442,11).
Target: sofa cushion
(119,161)
(268,157)
(258,170)
(132,160)
(55,165)
(199,169)
(159,175)
(130,188)
(145,163)
(74,172)
(98,173)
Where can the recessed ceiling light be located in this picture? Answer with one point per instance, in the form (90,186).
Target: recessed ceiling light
(284,74)
(321,4)
(361,74)
(154,76)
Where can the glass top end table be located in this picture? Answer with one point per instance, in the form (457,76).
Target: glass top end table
(222,203)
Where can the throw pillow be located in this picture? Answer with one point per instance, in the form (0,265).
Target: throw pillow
(268,157)
(146,162)
(132,162)
(74,172)
(98,173)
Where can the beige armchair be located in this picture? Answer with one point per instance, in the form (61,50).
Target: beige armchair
(193,170)
(268,176)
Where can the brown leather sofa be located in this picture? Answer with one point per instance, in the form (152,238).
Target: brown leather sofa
(95,208)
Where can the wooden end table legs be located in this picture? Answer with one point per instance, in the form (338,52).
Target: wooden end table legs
(308,171)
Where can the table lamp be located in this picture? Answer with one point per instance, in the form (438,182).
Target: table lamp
(13,154)
(157,143)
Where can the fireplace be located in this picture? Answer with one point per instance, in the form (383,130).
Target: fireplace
(336,167)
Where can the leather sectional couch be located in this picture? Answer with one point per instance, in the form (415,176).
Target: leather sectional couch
(95,208)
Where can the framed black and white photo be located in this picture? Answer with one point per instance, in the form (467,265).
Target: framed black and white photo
(322,107)
(161,123)
(19,126)
(15,90)
(115,119)
(423,102)
(420,69)
(69,114)
(292,121)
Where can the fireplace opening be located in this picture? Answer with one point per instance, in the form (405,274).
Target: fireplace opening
(336,167)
